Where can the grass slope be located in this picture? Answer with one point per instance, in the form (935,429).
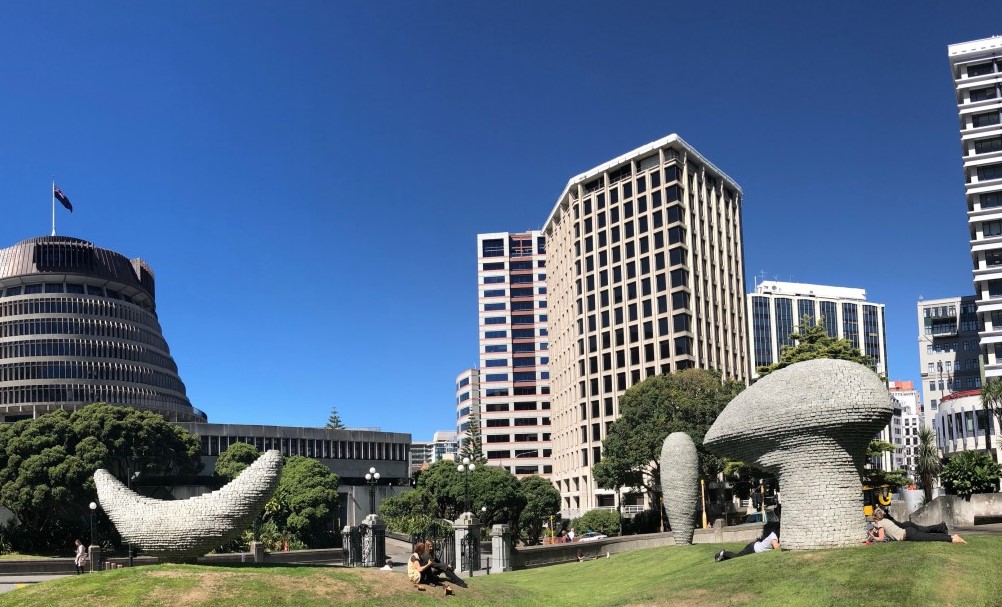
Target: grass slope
(911,574)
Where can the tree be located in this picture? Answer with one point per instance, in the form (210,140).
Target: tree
(970,472)
(928,463)
(813,342)
(234,460)
(334,420)
(411,512)
(602,521)
(473,443)
(542,501)
(307,500)
(47,465)
(991,401)
(491,487)
(875,477)
(685,401)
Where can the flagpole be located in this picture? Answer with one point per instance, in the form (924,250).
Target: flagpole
(53,206)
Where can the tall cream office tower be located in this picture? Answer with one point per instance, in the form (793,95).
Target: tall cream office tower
(977,76)
(645,277)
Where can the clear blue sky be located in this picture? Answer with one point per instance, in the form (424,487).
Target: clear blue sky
(307,179)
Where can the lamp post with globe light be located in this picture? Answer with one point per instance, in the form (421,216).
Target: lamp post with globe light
(371,478)
(466,467)
(93,507)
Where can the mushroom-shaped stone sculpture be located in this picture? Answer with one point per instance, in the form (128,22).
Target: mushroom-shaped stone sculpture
(680,485)
(809,423)
(183,530)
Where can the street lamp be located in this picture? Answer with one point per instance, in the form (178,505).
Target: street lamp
(93,507)
(371,478)
(466,467)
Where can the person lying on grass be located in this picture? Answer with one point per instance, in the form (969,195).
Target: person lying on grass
(885,528)
(768,541)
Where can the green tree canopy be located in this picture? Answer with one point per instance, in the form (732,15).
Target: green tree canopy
(234,460)
(334,420)
(928,462)
(412,512)
(542,501)
(602,521)
(473,442)
(47,464)
(685,401)
(970,472)
(813,342)
(491,487)
(307,498)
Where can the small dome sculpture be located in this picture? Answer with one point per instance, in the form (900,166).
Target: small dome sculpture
(810,424)
(183,530)
(680,485)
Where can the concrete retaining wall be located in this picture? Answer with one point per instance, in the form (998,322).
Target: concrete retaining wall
(958,511)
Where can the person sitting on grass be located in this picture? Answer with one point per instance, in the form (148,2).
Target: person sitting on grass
(769,540)
(886,529)
(438,568)
(418,567)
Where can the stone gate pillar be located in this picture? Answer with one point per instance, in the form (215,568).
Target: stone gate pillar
(501,548)
(467,544)
(374,542)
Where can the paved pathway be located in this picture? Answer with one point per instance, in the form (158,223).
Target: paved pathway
(10,582)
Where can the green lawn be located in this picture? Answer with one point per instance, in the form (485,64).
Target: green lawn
(911,574)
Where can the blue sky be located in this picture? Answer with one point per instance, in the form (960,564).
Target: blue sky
(307,179)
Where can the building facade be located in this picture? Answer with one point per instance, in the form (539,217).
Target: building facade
(510,393)
(776,309)
(976,67)
(645,277)
(960,424)
(905,425)
(443,445)
(346,452)
(78,324)
(949,350)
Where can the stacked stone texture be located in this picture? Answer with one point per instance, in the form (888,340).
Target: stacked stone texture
(680,485)
(809,423)
(183,530)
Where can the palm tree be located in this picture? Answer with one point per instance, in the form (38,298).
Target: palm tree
(991,402)
(928,463)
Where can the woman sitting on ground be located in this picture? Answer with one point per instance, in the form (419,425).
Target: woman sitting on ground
(418,567)
(886,529)
(768,541)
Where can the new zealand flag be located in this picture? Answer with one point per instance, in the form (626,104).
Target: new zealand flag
(62,198)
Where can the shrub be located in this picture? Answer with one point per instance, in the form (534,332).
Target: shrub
(970,472)
(602,521)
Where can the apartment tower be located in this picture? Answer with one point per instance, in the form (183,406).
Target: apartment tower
(977,77)
(948,350)
(513,382)
(646,277)
(778,309)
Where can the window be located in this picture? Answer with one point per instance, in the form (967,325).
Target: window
(985,93)
(985,119)
(979,69)
(986,146)
(495,320)
(496,293)
(991,171)
(488,280)
(497,362)
(497,377)
(493,247)
(495,334)
(491,307)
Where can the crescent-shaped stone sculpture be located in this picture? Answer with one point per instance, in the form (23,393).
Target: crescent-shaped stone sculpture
(183,530)
(809,423)
(680,485)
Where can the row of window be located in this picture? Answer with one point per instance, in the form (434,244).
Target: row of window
(518,376)
(309,447)
(983,69)
(516,438)
(517,333)
(492,407)
(81,306)
(518,421)
(515,292)
(57,287)
(512,265)
(76,369)
(529,361)
(516,306)
(962,425)
(91,393)
(78,326)
(86,348)
(956,384)
(520,246)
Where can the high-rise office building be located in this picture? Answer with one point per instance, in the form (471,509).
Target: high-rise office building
(948,350)
(905,426)
(78,324)
(778,308)
(976,67)
(645,277)
(510,393)
(443,445)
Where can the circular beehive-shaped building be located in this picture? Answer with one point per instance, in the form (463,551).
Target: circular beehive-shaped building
(78,324)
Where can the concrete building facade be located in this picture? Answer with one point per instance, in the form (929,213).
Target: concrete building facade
(78,324)
(960,424)
(510,393)
(645,277)
(976,68)
(905,425)
(776,309)
(949,351)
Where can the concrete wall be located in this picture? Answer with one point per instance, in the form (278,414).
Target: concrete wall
(958,511)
